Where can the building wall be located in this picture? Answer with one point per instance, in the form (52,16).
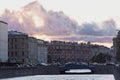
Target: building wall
(96,49)
(112,53)
(37,51)
(25,49)
(33,49)
(84,53)
(63,52)
(42,52)
(3,42)
(116,46)
(18,47)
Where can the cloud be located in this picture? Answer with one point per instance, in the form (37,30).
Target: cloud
(90,29)
(33,19)
(53,23)
(107,28)
(104,39)
(58,23)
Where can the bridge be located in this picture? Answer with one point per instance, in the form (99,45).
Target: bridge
(6,72)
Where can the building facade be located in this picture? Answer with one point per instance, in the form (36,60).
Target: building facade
(3,42)
(116,46)
(101,54)
(32,50)
(17,47)
(63,52)
(97,49)
(42,54)
(37,51)
(25,49)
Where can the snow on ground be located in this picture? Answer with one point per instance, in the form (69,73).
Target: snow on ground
(64,77)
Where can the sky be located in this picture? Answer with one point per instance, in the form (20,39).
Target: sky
(67,20)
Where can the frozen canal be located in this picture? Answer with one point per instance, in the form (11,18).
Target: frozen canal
(65,77)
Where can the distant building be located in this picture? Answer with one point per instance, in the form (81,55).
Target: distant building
(32,50)
(17,47)
(63,52)
(25,49)
(37,50)
(3,42)
(97,49)
(42,55)
(116,46)
(83,52)
(112,53)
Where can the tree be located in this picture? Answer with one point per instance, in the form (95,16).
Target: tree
(101,58)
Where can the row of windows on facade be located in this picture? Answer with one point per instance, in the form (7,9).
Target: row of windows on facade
(22,46)
(68,47)
(15,54)
(70,56)
(16,60)
(14,40)
(69,59)
(12,46)
(70,52)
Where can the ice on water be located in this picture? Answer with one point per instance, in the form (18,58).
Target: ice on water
(64,77)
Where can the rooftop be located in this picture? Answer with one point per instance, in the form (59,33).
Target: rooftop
(3,22)
(15,33)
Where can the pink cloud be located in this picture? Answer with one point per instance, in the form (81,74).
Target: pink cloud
(56,24)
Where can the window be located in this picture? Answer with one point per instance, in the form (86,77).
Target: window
(15,46)
(12,53)
(23,60)
(23,54)
(15,39)
(15,53)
